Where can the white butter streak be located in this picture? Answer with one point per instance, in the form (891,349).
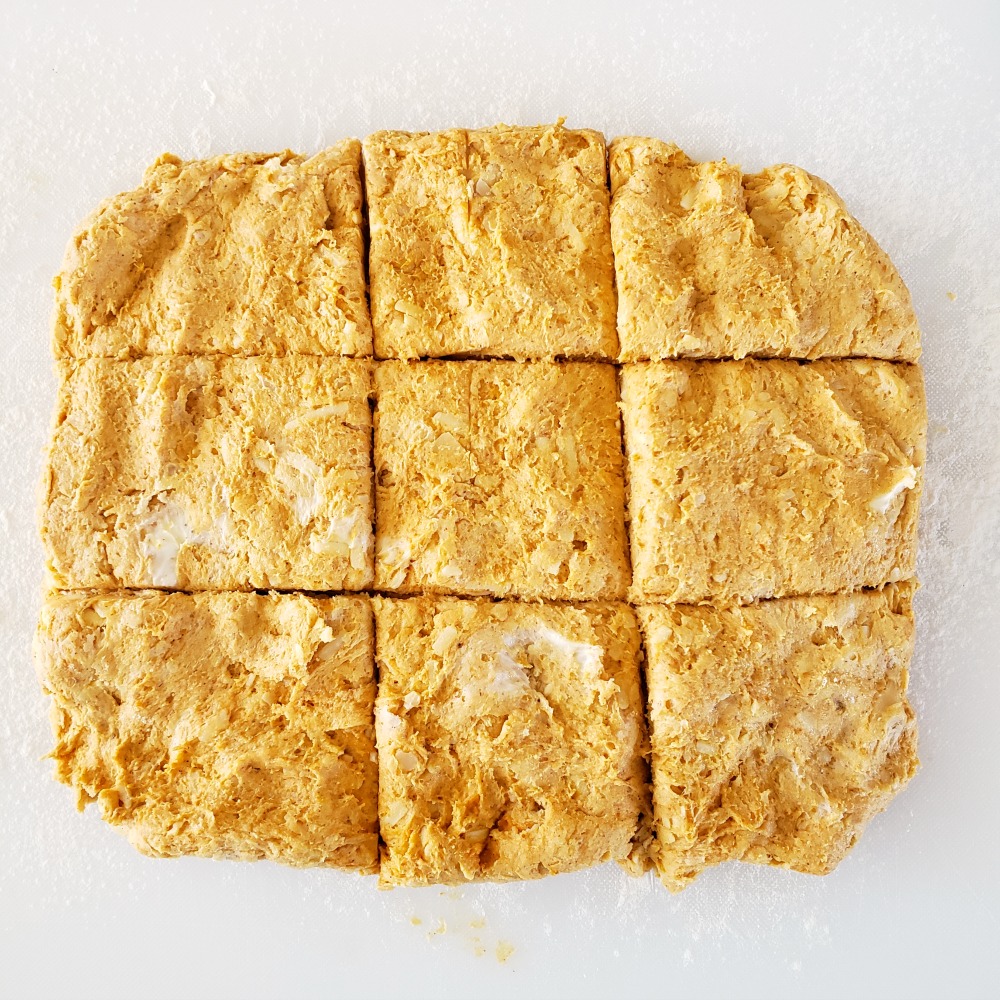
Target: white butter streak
(587,656)
(883,501)
(388,725)
(165,531)
(300,476)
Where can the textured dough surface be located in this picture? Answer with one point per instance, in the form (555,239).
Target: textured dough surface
(510,738)
(223,725)
(711,264)
(778,730)
(243,254)
(499,478)
(211,474)
(490,243)
(752,479)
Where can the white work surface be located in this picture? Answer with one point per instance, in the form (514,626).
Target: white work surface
(897,109)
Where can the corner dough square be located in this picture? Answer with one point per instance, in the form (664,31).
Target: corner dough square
(211,474)
(223,725)
(499,478)
(755,479)
(510,738)
(490,243)
(778,730)
(711,263)
(243,255)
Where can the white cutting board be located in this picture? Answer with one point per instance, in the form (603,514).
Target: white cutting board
(898,109)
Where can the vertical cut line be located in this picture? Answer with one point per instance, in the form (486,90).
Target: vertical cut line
(366,243)
(646,826)
(626,475)
(611,243)
(373,411)
(377,676)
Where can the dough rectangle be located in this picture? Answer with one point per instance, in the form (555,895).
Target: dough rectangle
(246,254)
(712,263)
(510,738)
(755,479)
(778,730)
(222,725)
(499,478)
(490,243)
(211,474)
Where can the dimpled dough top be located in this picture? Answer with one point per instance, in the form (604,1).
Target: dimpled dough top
(500,478)
(241,255)
(778,730)
(713,264)
(752,479)
(223,725)
(211,474)
(510,738)
(490,243)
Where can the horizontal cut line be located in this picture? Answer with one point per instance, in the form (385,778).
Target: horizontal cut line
(491,598)
(470,359)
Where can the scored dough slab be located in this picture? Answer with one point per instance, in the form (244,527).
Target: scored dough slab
(712,263)
(490,243)
(211,474)
(753,479)
(221,725)
(500,478)
(778,730)
(244,254)
(510,738)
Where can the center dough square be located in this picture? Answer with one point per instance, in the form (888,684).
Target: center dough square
(490,243)
(510,738)
(499,478)
(754,479)
(211,474)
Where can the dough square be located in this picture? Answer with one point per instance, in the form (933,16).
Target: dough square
(510,736)
(778,730)
(223,725)
(246,254)
(499,478)
(712,263)
(756,479)
(206,473)
(490,243)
